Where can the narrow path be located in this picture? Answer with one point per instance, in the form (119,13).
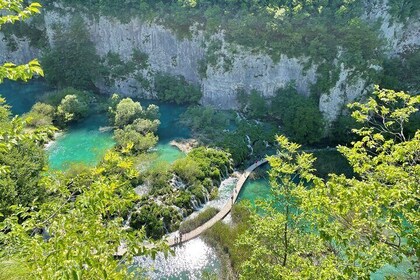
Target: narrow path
(175,240)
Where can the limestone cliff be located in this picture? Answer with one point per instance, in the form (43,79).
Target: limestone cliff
(245,70)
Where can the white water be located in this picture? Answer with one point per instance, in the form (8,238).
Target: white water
(225,191)
(189,262)
(249,144)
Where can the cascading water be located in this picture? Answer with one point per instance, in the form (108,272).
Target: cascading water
(177,183)
(249,144)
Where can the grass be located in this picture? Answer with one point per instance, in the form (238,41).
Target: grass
(201,219)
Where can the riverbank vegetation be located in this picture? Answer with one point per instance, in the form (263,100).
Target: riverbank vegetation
(193,223)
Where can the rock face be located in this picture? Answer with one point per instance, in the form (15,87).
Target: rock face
(176,56)
(401,36)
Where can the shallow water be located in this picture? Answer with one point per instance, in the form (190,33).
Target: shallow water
(190,261)
(83,143)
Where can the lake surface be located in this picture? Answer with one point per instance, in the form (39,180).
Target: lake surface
(83,142)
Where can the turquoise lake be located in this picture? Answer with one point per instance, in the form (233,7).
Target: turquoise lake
(83,142)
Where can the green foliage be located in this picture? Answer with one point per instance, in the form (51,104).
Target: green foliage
(115,68)
(21,185)
(369,219)
(176,89)
(81,215)
(76,232)
(16,10)
(71,109)
(403,10)
(402,73)
(206,119)
(22,162)
(257,106)
(224,236)
(40,115)
(202,163)
(299,115)
(127,111)
(72,60)
(129,139)
(137,127)
(36,34)
(197,221)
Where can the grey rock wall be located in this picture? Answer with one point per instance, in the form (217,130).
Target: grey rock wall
(175,56)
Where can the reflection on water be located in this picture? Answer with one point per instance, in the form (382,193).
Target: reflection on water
(190,261)
(22,96)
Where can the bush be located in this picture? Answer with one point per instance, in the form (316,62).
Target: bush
(201,219)
(40,115)
(130,140)
(127,111)
(71,109)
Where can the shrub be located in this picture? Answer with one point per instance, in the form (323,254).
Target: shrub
(71,109)
(202,218)
(40,115)
(127,111)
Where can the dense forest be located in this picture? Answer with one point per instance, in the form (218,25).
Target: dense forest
(321,221)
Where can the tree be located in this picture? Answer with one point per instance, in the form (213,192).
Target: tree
(257,106)
(127,111)
(373,218)
(129,139)
(77,231)
(343,227)
(176,89)
(299,115)
(40,115)
(71,109)
(72,60)
(17,12)
(280,243)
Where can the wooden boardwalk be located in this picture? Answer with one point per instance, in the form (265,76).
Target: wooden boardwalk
(175,240)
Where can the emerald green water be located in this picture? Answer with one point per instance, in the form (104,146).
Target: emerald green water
(83,143)
(21,96)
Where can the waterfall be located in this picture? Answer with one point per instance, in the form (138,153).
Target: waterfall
(164,227)
(206,196)
(195,204)
(127,222)
(177,183)
(249,144)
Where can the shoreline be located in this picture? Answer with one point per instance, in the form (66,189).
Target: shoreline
(54,139)
(185,145)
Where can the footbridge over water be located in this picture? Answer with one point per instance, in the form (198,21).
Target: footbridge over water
(175,240)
